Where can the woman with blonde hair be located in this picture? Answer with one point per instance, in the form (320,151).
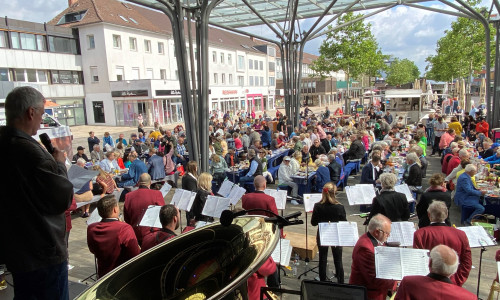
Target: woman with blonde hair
(204,190)
(105,180)
(218,168)
(295,161)
(329,209)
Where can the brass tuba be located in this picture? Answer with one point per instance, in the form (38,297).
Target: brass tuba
(211,262)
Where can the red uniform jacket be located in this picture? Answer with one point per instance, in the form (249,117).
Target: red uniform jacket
(259,200)
(452,164)
(258,279)
(428,288)
(112,242)
(135,205)
(441,234)
(363,269)
(67,213)
(155,238)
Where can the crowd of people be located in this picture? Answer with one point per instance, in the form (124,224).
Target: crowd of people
(392,152)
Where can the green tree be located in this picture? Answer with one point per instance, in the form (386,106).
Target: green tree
(460,52)
(351,48)
(402,71)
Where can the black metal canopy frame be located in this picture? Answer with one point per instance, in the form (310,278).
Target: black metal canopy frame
(282,17)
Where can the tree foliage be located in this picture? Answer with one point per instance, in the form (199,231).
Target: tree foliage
(352,48)
(402,71)
(460,52)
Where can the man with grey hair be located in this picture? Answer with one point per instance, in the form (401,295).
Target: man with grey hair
(414,178)
(437,284)
(363,258)
(255,168)
(439,233)
(467,195)
(390,203)
(35,196)
(334,167)
(96,155)
(284,176)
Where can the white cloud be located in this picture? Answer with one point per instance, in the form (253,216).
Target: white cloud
(33,10)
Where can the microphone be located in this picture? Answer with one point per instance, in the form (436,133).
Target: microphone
(227,217)
(44,138)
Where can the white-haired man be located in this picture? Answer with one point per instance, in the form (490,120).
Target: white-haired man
(437,284)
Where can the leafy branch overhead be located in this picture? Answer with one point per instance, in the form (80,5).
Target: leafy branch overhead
(351,48)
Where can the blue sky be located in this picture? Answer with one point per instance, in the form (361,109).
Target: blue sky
(403,32)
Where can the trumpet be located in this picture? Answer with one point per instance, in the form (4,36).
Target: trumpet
(211,262)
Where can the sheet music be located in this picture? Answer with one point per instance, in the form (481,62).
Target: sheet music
(338,234)
(402,232)
(403,188)
(151,217)
(236,193)
(202,223)
(94,217)
(183,199)
(498,267)
(477,236)
(310,200)
(286,252)
(360,194)
(165,189)
(214,206)
(177,197)
(395,263)
(225,188)
(279,197)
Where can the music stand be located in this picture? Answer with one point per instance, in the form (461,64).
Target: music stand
(92,275)
(306,259)
(316,290)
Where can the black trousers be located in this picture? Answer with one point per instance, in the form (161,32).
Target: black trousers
(337,260)
(435,147)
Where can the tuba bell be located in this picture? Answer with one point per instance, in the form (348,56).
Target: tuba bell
(211,262)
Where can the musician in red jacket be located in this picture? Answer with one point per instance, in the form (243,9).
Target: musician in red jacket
(137,202)
(257,280)
(111,241)
(169,219)
(438,233)
(258,199)
(363,259)
(436,285)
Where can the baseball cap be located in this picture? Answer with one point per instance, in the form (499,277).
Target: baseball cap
(80,148)
(495,145)
(281,133)
(287,158)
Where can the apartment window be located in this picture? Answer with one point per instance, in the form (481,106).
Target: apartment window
(271,66)
(241,62)
(42,76)
(149,73)
(41,43)
(147,46)
(19,75)
(272,81)
(230,78)
(222,58)
(120,73)
(4,74)
(31,75)
(135,74)
(216,78)
(163,74)
(117,41)
(261,81)
(133,44)
(250,80)
(28,41)
(223,78)
(261,65)
(229,59)
(15,41)
(241,80)
(94,76)
(214,56)
(161,48)
(62,45)
(90,41)
(250,64)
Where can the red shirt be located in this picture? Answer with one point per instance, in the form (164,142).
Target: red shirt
(483,127)
(67,214)
(155,238)
(237,143)
(112,242)
(257,280)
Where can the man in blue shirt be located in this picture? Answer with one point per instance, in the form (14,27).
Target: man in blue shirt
(134,172)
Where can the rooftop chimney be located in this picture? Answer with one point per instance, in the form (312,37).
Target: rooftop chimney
(71,2)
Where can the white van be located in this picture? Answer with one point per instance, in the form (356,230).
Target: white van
(60,135)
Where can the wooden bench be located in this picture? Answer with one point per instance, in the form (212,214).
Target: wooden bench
(298,242)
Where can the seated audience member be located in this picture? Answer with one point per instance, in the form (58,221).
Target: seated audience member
(111,241)
(168,160)
(295,161)
(106,181)
(390,203)
(467,194)
(255,168)
(156,168)
(204,190)
(170,222)
(371,171)
(218,168)
(414,178)
(357,149)
(284,176)
(322,175)
(80,154)
(107,141)
(96,155)
(84,194)
(109,164)
(363,259)
(137,202)
(231,158)
(436,191)
(316,150)
(493,159)
(334,168)
(136,168)
(121,139)
(438,233)
(437,284)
